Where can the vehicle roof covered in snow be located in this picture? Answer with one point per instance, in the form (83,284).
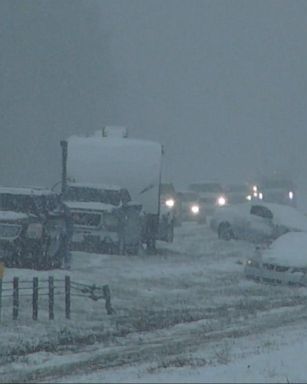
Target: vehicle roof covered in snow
(89,206)
(95,186)
(31,191)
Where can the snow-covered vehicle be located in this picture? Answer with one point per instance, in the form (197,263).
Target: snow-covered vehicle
(257,222)
(211,195)
(32,228)
(107,194)
(111,159)
(285,261)
(105,219)
(189,207)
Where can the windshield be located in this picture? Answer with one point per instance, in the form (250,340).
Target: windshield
(237,188)
(113,197)
(28,203)
(210,187)
(186,197)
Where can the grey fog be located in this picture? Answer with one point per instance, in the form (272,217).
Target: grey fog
(153,192)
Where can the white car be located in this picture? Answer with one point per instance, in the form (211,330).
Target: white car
(257,221)
(285,261)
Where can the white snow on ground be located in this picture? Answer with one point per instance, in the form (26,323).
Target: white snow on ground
(270,358)
(187,314)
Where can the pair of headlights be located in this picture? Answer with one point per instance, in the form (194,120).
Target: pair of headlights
(255,195)
(170,203)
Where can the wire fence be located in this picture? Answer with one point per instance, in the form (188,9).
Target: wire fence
(18,290)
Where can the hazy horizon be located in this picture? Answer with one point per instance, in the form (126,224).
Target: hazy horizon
(222,85)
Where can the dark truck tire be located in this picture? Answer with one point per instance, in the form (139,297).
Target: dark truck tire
(50,255)
(225,231)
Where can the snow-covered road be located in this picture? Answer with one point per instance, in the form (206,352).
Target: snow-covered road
(188,306)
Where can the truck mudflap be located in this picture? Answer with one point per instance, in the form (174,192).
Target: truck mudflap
(150,232)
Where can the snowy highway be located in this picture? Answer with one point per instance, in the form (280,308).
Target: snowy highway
(186,306)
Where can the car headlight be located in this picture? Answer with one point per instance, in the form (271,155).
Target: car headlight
(195,209)
(291,195)
(170,203)
(248,197)
(35,231)
(252,263)
(260,196)
(221,201)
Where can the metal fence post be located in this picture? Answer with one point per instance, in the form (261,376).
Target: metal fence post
(107,297)
(15,297)
(67,297)
(35,298)
(0,296)
(51,297)
(1,277)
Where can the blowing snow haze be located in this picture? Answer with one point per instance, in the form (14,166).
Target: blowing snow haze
(221,84)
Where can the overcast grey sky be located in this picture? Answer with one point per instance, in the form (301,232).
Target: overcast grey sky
(222,84)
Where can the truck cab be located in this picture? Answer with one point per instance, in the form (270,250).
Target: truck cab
(105,219)
(111,157)
(33,228)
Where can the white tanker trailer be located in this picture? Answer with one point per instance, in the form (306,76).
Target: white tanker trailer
(111,158)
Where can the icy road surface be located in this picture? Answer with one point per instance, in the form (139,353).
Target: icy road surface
(185,310)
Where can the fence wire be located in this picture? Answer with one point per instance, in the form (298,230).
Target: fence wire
(36,288)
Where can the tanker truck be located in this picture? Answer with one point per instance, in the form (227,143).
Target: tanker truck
(110,157)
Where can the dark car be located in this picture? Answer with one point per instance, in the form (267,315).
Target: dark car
(190,208)
(211,196)
(33,228)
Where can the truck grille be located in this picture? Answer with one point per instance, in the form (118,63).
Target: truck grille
(9,230)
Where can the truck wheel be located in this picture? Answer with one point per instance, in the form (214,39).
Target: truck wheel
(133,250)
(151,247)
(225,231)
